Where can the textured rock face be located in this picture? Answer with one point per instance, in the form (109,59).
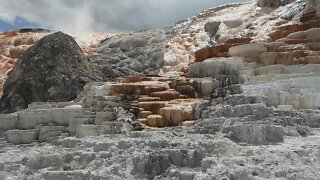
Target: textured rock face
(215,67)
(273,3)
(257,134)
(172,154)
(8,121)
(218,76)
(132,54)
(14,43)
(21,136)
(54,70)
(246,119)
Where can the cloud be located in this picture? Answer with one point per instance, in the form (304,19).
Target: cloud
(104,15)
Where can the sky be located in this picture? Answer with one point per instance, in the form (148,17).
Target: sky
(80,16)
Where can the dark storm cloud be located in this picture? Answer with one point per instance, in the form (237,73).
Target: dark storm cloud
(104,15)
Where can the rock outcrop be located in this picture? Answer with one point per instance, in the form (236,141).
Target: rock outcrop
(16,42)
(139,53)
(12,45)
(53,70)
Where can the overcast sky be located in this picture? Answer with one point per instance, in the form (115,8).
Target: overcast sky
(99,15)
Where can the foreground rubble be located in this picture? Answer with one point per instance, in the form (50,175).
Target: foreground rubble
(171,154)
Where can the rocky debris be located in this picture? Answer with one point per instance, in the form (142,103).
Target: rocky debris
(160,154)
(54,69)
(140,53)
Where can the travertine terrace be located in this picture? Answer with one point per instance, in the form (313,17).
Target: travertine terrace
(231,93)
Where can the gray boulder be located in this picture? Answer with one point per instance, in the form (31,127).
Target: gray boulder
(52,70)
(212,28)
